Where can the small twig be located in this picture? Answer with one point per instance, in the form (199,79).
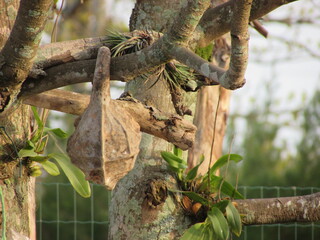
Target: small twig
(55,26)
(260,28)
(237,181)
(213,138)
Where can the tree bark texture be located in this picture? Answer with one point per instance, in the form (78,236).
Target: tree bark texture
(136,209)
(18,188)
(17,210)
(19,51)
(280,210)
(8,10)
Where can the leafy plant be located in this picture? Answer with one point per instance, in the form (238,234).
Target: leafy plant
(176,74)
(34,149)
(211,193)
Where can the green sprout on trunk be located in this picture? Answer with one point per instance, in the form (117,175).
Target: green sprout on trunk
(210,202)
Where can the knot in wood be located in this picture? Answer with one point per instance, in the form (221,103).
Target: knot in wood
(156,192)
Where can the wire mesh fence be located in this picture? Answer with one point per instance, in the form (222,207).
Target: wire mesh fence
(63,214)
(292,231)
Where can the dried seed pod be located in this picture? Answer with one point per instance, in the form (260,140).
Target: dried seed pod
(235,204)
(186,203)
(196,207)
(106,141)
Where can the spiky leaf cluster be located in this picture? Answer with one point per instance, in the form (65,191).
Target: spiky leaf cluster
(176,74)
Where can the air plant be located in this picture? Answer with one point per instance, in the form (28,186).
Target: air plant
(176,74)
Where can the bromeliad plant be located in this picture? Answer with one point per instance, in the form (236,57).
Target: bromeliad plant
(176,74)
(206,197)
(34,149)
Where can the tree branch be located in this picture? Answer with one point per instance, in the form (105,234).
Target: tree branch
(171,127)
(17,56)
(187,20)
(126,67)
(217,21)
(280,210)
(234,77)
(59,76)
(56,53)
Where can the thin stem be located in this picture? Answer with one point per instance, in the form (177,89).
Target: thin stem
(55,26)
(213,137)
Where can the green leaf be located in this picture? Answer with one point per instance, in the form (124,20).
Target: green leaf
(50,168)
(37,135)
(222,205)
(234,219)
(41,146)
(229,190)
(74,174)
(219,224)
(195,232)
(29,145)
(28,150)
(39,159)
(37,117)
(193,196)
(169,155)
(174,161)
(215,186)
(57,131)
(194,171)
(177,151)
(215,182)
(223,160)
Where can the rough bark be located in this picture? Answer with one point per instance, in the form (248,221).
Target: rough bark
(170,127)
(137,211)
(215,22)
(18,189)
(8,15)
(18,53)
(280,210)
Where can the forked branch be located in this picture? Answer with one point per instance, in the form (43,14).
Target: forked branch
(214,23)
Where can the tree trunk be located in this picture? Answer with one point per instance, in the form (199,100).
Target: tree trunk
(18,208)
(17,189)
(141,207)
